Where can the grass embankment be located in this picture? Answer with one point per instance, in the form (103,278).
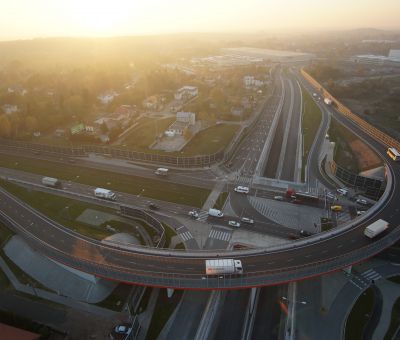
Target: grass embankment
(164,308)
(66,211)
(395,321)
(220,202)
(116,300)
(350,152)
(359,315)
(311,121)
(210,140)
(152,188)
(145,133)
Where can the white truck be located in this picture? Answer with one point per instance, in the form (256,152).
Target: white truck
(327,101)
(223,266)
(215,212)
(376,228)
(105,194)
(51,182)
(161,172)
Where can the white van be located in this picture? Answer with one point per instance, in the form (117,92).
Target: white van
(242,190)
(215,212)
(161,172)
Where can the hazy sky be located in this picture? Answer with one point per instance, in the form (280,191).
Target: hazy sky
(43,18)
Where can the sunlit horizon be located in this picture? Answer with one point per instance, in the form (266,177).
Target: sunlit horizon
(23,19)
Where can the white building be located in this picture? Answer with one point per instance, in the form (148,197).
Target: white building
(251,81)
(107,97)
(186,92)
(9,109)
(186,117)
(394,55)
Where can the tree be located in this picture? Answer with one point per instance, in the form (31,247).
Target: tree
(5,126)
(31,124)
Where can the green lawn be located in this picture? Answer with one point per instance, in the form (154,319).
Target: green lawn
(153,188)
(219,204)
(145,133)
(116,300)
(312,117)
(359,315)
(210,140)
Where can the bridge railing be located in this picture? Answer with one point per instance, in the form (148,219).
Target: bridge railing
(374,132)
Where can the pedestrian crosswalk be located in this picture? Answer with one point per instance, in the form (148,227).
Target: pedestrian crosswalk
(371,275)
(220,234)
(202,216)
(186,236)
(244,180)
(364,279)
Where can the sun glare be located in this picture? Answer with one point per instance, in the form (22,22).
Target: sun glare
(101,17)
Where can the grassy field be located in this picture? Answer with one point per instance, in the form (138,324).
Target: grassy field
(210,140)
(312,117)
(219,204)
(357,318)
(116,300)
(152,188)
(145,133)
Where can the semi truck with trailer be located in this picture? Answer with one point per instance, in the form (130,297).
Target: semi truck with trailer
(51,182)
(223,266)
(376,228)
(215,212)
(105,194)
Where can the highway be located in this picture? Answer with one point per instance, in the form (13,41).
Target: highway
(167,268)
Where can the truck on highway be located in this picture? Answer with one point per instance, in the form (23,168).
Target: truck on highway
(161,172)
(376,228)
(223,266)
(51,182)
(215,212)
(327,101)
(105,194)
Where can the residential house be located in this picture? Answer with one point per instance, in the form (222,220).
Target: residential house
(186,93)
(186,117)
(251,81)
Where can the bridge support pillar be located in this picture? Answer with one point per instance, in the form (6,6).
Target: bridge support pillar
(170,292)
(252,299)
(348,269)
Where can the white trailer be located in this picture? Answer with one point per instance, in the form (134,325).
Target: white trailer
(51,182)
(105,194)
(327,101)
(215,212)
(223,266)
(376,228)
(161,172)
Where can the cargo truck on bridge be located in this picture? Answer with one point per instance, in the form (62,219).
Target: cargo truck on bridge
(105,194)
(223,266)
(51,182)
(376,228)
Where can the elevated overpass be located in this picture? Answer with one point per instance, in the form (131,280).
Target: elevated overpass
(302,259)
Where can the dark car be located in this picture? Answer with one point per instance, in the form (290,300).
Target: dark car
(153,206)
(305,233)
(293,236)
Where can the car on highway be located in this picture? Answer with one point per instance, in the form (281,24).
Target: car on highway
(305,233)
(343,191)
(278,198)
(360,212)
(336,208)
(362,201)
(293,236)
(247,220)
(122,329)
(153,206)
(242,190)
(234,224)
(193,214)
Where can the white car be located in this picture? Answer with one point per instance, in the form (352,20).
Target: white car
(278,198)
(234,224)
(193,214)
(343,191)
(122,329)
(361,201)
(360,212)
(247,220)
(242,190)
